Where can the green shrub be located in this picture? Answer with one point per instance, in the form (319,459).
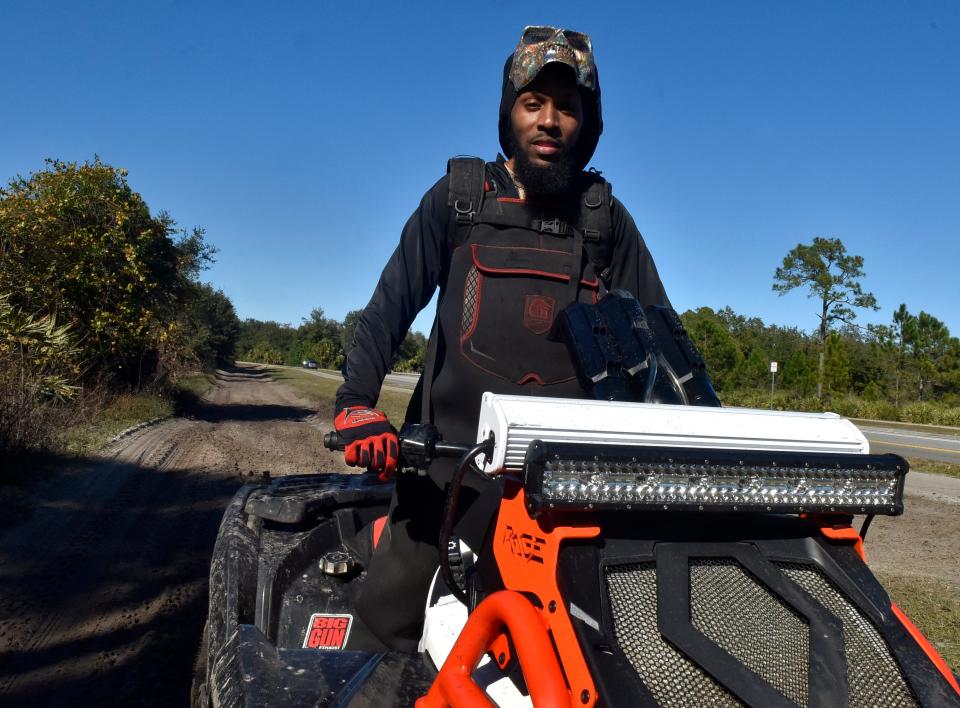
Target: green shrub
(38,373)
(920,412)
(855,407)
(847,406)
(878,410)
(80,244)
(844,405)
(949,416)
(785,401)
(873,391)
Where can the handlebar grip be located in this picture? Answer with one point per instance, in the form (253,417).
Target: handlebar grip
(333,441)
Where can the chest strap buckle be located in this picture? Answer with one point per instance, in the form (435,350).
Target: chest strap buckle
(552,226)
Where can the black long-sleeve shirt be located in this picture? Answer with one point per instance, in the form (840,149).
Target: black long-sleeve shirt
(418,267)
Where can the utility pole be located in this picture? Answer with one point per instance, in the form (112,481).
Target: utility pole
(773,380)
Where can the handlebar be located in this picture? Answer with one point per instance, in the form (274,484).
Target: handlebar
(420,444)
(333,441)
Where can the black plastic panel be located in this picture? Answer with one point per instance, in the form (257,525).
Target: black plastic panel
(293,500)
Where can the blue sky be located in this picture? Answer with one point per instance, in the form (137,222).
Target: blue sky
(302,135)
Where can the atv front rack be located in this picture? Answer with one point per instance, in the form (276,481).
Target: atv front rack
(504,611)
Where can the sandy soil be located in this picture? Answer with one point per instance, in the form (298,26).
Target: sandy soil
(103,584)
(925,539)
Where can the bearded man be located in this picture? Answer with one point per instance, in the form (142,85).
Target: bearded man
(509,244)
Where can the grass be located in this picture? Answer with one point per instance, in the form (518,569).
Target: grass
(932,605)
(323,391)
(195,384)
(130,409)
(121,413)
(934,467)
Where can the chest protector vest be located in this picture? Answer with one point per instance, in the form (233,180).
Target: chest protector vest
(514,266)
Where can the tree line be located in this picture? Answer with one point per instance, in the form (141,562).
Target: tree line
(906,369)
(320,338)
(873,371)
(97,293)
(879,363)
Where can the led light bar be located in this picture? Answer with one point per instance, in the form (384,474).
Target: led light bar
(570,476)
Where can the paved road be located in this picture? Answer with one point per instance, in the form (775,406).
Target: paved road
(407,381)
(911,443)
(392,382)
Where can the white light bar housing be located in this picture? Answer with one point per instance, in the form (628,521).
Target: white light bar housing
(516,421)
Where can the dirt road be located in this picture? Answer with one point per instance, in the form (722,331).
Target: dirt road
(103,584)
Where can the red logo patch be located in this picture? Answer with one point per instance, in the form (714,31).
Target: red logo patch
(327,631)
(538,311)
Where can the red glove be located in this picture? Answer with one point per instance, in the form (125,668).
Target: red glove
(371,441)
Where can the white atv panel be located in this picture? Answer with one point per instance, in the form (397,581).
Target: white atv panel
(518,420)
(444,618)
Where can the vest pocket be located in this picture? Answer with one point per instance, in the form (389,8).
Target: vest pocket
(511,298)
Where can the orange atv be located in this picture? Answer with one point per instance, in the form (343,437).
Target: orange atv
(624,554)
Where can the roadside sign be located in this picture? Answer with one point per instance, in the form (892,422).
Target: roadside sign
(773,367)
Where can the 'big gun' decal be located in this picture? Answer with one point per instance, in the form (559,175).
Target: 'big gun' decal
(327,631)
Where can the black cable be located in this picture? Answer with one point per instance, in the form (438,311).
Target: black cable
(450,511)
(866,527)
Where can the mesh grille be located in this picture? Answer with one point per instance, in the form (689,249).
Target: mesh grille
(671,677)
(731,608)
(469,300)
(873,677)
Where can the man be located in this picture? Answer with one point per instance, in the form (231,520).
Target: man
(509,244)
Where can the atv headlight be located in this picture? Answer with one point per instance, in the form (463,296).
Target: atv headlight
(580,477)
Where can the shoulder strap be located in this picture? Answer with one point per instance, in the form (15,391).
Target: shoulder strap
(467,179)
(597,224)
(467,184)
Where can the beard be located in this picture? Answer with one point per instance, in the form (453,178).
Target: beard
(549,182)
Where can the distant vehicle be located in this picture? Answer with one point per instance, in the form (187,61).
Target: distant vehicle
(310,364)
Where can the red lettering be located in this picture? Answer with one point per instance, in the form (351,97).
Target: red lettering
(332,637)
(327,632)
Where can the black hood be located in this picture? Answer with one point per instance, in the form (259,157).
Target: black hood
(589,132)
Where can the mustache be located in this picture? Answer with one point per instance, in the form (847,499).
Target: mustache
(548,140)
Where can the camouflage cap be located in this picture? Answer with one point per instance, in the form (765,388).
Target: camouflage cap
(541,44)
